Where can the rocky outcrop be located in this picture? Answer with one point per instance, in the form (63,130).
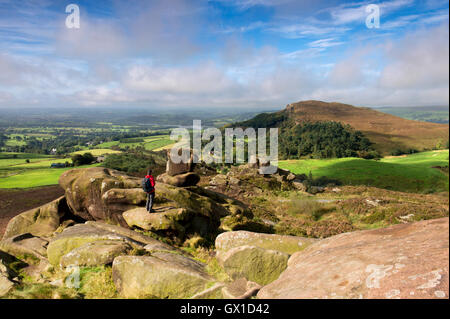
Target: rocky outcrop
(6,273)
(41,221)
(182,180)
(26,247)
(162,275)
(82,234)
(97,193)
(253,263)
(402,261)
(255,256)
(95,253)
(282,243)
(164,219)
(100,194)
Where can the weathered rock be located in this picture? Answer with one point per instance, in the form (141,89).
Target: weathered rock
(218,180)
(41,221)
(240,289)
(151,244)
(81,234)
(299,186)
(95,253)
(163,219)
(186,165)
(6,273)
(402,261)
(181,180)
(120,198)
(25,247)
(5,284)
(85,189)
(283,243)
(253,263)
(163,275)
(185,198)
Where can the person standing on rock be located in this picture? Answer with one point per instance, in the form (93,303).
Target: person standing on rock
(148,184)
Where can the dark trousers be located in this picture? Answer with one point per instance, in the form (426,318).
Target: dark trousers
(150,199)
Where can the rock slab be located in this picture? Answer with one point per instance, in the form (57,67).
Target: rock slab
(402,261)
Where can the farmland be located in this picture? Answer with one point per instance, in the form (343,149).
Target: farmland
(412,173)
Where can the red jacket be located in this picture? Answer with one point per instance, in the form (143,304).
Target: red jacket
(152,181)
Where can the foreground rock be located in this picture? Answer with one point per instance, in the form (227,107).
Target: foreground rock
(240,289)
(26,247)
(162,275)
(96,253)
(79,235)
(402,261)
(282,243)
(41,221)
(6,273)
(253,263)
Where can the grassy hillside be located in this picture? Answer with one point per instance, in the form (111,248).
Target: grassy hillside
(412,173)
(388,132)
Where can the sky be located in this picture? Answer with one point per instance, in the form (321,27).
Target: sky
(242,54)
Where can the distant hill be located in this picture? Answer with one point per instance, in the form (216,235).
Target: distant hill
(386,131)
(434,114)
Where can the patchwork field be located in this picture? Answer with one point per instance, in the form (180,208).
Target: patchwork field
(17,173)
(412,173)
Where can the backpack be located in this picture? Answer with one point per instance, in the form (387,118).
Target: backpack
(147,185)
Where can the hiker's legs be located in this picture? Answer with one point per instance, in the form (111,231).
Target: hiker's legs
(151,198)
(147,205)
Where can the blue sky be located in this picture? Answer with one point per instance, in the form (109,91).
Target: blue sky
(247,54)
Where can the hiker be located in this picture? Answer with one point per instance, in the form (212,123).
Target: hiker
(148,184)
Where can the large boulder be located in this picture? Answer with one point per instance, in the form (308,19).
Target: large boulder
(26,247)
(84,189)
(186,165)
(182,180)
(402,261)
(253,263)
(164,219)
(82,234)
(150,244)
(95,253)
(41,221)
(162,275)
(283,243)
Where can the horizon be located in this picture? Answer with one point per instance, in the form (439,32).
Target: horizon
(244,55)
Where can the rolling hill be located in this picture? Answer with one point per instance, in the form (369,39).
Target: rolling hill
(386,131)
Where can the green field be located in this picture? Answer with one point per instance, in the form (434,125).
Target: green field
(97,151)
(413,173)
(17,173)
(150,143)
(35,177)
